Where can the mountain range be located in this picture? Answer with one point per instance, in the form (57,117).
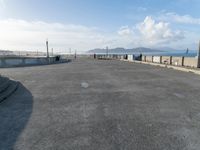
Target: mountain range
(123,50)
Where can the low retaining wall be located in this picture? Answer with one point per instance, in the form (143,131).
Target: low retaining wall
(190,62)
(172,60)
(24,61)
(149,58)
(157,59)
(130,57)
(168,60)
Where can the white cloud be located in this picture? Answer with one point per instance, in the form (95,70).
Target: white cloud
(158,33)
(31,35)
(2,4)
(124,31)
(185,19)
(25,35)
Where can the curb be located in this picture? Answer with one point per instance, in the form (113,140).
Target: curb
(165,66)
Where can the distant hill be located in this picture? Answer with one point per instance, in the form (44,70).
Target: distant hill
(123,50)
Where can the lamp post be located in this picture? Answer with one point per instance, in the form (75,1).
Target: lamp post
(199,56)
(199,50)
(107,51)
(47,44)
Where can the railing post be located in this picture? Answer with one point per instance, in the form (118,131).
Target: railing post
(160,59)
(183,58)
(170,61)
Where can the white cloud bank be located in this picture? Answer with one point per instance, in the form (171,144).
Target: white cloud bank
(26,35)
(2,4)
(21,34)
(160,32)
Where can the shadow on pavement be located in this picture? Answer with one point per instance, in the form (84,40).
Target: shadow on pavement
(14,115)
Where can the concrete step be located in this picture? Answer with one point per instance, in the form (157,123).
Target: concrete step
(4,83)
(9,90)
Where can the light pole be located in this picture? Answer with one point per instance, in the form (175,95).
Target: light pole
(107,51)
(47,44)
(199,56)
(75,54)
(199,50)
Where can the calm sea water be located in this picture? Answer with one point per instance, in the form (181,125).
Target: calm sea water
(191,53)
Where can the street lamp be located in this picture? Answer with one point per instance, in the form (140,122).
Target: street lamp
(47,44)
(107,51)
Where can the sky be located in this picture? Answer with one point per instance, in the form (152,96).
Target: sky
(87,24)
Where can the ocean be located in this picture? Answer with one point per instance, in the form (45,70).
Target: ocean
(191,53)
(183,53)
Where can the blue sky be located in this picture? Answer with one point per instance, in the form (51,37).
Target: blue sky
(88,24)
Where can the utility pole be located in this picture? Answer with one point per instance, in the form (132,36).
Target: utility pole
(75,54)
(47,44)
(199,56)
(199,50)
(107,51)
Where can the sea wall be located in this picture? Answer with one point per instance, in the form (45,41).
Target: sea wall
(172,60)
(168,60)
(24,61)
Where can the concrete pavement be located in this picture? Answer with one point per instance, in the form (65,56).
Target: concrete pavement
(101,105)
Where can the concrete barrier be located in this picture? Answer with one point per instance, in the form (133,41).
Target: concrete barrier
(156,59)
(190,62)
(177,61)
(24,61)
(130,57)
(172,60)
(166,60)
(149,58)
(143,58)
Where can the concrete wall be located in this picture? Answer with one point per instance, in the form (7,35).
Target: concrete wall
(190,62)
(130,57)
(143,58)
(166,60)
(148,58)
(177,61)
(156,59)
(23,61)
(171,60)
(14,61)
